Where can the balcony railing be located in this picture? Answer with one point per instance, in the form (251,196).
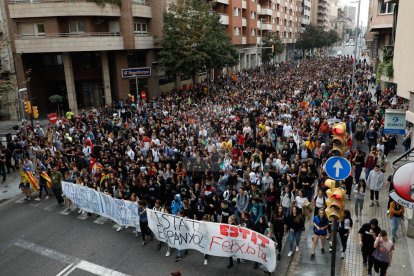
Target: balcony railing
(136,2)
(78,34)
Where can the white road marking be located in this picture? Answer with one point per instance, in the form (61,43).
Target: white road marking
(73,262)
(50,207)
(97,269)
(63,272)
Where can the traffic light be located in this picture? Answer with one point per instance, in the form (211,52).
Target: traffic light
(27,107)
(35,112)
(336,200)
(339,139)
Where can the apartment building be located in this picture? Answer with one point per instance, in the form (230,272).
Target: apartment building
(320,14)
(77,49)
(380,29)
(306,14)
(248,20)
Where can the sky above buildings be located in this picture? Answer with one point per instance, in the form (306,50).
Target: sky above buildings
(363,16)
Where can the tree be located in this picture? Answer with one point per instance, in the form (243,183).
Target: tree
(194,40)
(58,100)
(272,40)
(5,88)
(314,37)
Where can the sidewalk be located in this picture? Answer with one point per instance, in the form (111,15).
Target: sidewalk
(10,188)
(404,248)
(352,264)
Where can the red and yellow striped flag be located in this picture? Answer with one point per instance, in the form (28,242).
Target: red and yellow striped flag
(32,181)
(45,176)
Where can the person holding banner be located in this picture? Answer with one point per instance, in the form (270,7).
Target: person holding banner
(143,220)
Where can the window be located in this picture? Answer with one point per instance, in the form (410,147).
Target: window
(140,28)
(52,60)
(236,31)
(39,29)
(278,7)
(236,12)
(252,15)
(31,29)
(253,32)
(277,20)
(76,27)
(386,8)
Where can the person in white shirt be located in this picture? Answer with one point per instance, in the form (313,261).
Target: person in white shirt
(302,202)
(287,129)
(130,153)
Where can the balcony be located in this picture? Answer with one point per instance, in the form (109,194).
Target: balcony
(224,19)
(69,42)
(267,27)
(49,8)
(264,11)
(141,8)
(244,40)
(144,41)
(244,22)
(222,1)
(244,4)
(258,40)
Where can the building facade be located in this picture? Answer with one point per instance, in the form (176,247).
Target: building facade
(248,20)
(306,13)
(77,49)
(403,61)
(380,25)
(320,14)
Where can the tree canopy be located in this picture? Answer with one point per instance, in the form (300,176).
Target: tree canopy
(314,37)
(271,39)
(194,39)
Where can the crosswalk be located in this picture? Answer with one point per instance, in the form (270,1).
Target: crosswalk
(51,205)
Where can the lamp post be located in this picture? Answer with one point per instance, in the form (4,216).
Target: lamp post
(356,46)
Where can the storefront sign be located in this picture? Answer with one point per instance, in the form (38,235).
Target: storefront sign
(394,122)
(136,72)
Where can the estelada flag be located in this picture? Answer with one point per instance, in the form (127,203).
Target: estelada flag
(47,178)
(32,181)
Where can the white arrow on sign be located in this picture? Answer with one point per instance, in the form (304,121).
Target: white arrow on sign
(337,166)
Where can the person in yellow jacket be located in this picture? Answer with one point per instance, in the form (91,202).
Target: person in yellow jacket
(396,213)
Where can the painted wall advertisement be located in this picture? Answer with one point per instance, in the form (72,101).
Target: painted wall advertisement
(404,185)
(394,122)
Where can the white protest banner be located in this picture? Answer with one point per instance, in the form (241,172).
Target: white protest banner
(123,212)
(215,239)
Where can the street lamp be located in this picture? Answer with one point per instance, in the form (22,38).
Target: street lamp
(356,45)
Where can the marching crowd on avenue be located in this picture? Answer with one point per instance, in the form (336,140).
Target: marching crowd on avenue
(247,151)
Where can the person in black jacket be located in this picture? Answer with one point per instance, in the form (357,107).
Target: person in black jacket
(279,228)
(367,235)
(295,225)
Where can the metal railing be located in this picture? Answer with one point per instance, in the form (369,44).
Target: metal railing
(80,34)
(136,2)
(403,158)
(46,1)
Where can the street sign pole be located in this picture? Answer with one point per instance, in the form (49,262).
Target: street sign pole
(137,89)
(334,234)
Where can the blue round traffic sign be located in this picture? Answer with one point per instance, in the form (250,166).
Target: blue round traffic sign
(338,168)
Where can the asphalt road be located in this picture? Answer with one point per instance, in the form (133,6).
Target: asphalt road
(37,239)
